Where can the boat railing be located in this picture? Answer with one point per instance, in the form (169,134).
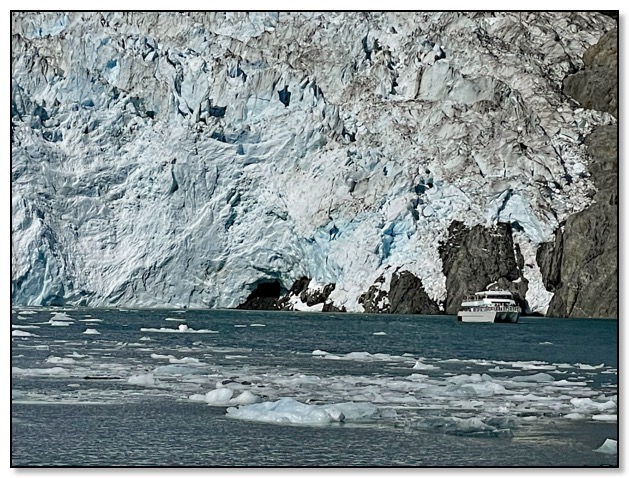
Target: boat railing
(495,308)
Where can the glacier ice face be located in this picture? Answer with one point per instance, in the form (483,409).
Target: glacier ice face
(184,158)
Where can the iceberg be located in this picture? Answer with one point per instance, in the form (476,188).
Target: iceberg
(290,411)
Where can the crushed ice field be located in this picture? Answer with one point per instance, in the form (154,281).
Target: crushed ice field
(316,370)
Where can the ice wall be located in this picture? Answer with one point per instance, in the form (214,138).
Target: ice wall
(183,158)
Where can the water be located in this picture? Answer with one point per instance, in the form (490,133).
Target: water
(538,393)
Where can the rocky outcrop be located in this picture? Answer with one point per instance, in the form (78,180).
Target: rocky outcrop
(303,295)
(309,295)
(596,86)
(581,265)
(406,295)
(474,258)
(266,296)
(375,300)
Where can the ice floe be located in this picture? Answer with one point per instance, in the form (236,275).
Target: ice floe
(60,360)
(290,411)
(609,447)
(179,330)
(22,333)
(144,380)
(474,426)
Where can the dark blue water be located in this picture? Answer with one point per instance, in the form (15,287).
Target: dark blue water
(75,402)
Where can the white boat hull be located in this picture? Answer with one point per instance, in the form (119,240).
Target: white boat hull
(488,316)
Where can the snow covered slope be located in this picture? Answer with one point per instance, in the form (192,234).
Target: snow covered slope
(182,158)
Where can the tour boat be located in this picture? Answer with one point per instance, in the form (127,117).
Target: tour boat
(489,306)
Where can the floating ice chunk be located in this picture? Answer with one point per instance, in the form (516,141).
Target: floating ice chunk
(353,411)
(562,383)
(58,323)
(610,447)
(61,316)
(191,360)
(379,333)
(538,378)
(546,343)
(182,327)
(219,397)
(423,366)
(257,325)
(178,319)
(335,414)
(144,338)
(285,410)
(388,413)
(240,325)
(62,360)
(160,356)
(39,371)
(179,330)
(575,416)
(587,404)
(361,356)
(502,421)
(91,332)
(179,370)
(463,426)
(612,371)
(539,367)
(583,366)
(418,376)
(19,326)
(90,320)
(245,398)
(197,397)
(22,333)
(605,418)
(288,410)
(142,379)
(358,356)
(525,364)
(498,369)
(563,365)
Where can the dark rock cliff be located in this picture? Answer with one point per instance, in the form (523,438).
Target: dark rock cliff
(474,258)
(268,296)
(264,297)
(596,86)
(581,265)
(406,295)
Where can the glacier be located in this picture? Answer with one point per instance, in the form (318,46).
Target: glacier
(182,159)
